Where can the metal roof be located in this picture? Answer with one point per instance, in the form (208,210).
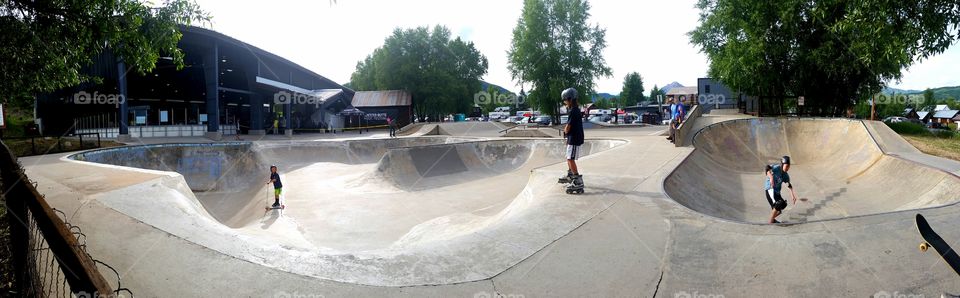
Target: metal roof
(948,114)
(922,115)
(683,91)
(386,98)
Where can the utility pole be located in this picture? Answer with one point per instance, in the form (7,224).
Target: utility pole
(873,107)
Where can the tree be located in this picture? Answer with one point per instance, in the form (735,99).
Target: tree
(553,48)
(46,45)
(833,52)
(656,92)
(928,99)
(441,74)
(632,92)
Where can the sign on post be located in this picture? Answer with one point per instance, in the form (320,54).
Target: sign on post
(800,101)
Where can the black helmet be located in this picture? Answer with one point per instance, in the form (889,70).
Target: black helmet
(570,94)
(785,160)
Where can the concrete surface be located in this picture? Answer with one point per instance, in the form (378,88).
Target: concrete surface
(624,237)
(836,170)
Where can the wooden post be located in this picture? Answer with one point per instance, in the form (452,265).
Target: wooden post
(873,107)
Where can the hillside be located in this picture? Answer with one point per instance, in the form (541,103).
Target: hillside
(940,93)
(946,92)
(484,84)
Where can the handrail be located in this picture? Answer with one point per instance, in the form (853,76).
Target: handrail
(26,206)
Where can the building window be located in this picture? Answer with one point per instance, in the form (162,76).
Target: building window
(706,88)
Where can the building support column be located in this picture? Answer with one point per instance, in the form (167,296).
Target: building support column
(288,118)
(211,74)
(124,131)
(256,115)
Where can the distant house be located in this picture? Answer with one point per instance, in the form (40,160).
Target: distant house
(378,105)
(910,113)
(716,95)
(945,117)
(941,108)
(686,95)
(923,116)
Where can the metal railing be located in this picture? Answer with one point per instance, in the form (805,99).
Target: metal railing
(48,255)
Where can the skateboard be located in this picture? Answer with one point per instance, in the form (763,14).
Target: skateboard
(931,239)
(270,207)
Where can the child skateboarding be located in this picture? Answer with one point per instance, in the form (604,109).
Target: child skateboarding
(277,186)
(776,176)
(573,131)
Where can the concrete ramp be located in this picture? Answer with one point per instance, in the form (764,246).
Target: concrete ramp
(433,166)
(397,212)
(471,129)
(838,169)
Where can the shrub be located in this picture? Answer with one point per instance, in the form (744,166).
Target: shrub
(908,128)
(944,134)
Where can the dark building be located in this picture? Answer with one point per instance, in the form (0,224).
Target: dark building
(225,87)
(378,105)
(714,95)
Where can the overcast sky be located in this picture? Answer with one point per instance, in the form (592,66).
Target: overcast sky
(330,38)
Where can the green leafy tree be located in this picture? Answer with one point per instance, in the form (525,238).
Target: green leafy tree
(45,45)
(554,48)
(441,74)
(928,99)
(632,92)
(833,52)
(655,92)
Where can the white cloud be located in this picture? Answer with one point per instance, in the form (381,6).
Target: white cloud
(644,36)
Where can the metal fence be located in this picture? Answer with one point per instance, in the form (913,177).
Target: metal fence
(48,254)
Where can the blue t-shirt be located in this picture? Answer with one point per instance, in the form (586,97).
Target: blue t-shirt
(673,111)
(276,180)
(779,178)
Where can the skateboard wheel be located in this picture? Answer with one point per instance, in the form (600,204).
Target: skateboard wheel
(924,246)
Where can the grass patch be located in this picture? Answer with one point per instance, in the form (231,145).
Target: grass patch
(942,143)
(943,147)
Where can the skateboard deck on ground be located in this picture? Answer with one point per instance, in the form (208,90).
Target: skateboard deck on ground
(269,207)
(931,239)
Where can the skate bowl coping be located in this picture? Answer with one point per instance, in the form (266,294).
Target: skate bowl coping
(837,169)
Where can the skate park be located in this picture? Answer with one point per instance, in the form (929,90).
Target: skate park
(364,218)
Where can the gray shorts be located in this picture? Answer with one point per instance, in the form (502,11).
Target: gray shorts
(573,152)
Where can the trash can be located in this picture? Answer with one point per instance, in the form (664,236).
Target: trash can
(459,117)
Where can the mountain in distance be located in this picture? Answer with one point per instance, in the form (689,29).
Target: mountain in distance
(484,84)
(939,93)
(891,90)
(603,96)
(946,92)
(666,88)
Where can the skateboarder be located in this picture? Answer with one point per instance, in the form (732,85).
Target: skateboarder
(574,134)
(393,128)
(776,175)
(277,186)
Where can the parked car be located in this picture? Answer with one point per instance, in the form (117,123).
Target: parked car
(894,119)
(543,120)
(564,119)
(936,125)
(511,119)
(523,120)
